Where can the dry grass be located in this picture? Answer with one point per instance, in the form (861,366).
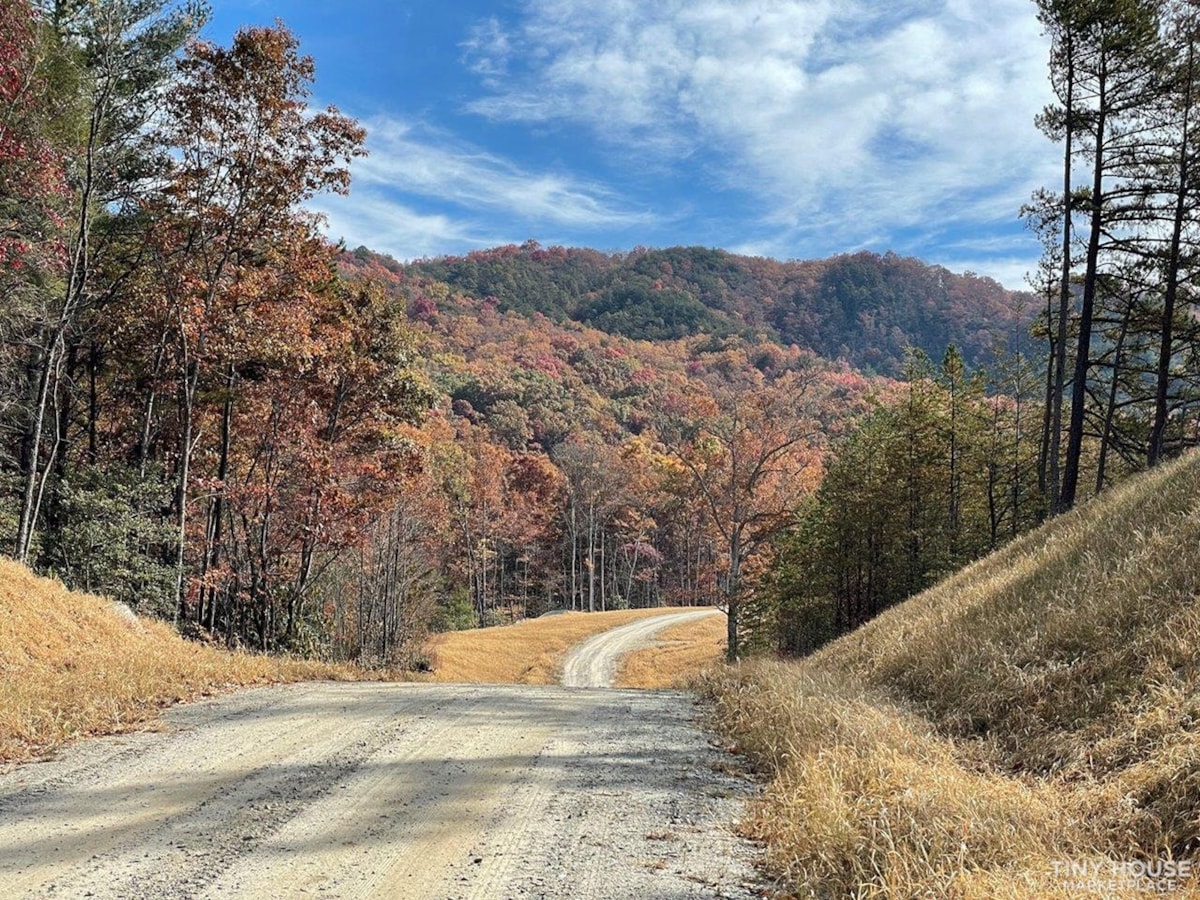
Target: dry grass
(867,800)
(529,652)
(1041,705)
(680,655)
(71,665)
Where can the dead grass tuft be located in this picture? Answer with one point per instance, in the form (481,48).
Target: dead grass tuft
(73,665)
(529,652)
(679,656)
(1042,705)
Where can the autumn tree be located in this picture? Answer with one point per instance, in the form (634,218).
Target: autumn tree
(749,448)
(382,599)
(32,179)
(592,488)
(250,153)
(32,201)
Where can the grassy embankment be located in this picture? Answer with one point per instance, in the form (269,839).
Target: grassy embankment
(72,665)
(529,652)
(1041,706)
(681,654)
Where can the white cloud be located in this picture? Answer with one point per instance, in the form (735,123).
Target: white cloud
(846,120)
(413,160)
(373,219)
(481,199)
(1009,271)
(487,50)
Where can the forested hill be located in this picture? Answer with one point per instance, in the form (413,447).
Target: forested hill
(863,307)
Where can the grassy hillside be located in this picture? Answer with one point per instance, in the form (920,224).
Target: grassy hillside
(1041,706)
(72,665)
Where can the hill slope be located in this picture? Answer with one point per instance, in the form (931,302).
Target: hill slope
(864,308)
(1041,706)
(72,665)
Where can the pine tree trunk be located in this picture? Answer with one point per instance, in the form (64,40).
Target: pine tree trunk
(1111,407)
(1070,479)
(1054,464)
(1171,288)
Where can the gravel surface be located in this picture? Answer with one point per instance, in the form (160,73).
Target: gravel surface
(396,791)
(593,663)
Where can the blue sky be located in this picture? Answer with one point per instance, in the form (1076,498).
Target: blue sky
(787,128)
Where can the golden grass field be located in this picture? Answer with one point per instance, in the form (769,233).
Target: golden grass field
(529,652)
(1040,707)
(70,666)
(680,655)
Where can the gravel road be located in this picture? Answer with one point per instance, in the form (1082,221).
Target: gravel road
(394,791)
(594,662)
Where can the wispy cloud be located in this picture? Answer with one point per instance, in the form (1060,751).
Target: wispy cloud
(382,222)
(845,119)
(426,162)
(486,50)
(424,192)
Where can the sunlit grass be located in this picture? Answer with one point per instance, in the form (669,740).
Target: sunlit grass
(680,654)
(530,652)
(70,666)
(1042,705)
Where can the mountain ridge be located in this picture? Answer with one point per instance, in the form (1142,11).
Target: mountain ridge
(864,308)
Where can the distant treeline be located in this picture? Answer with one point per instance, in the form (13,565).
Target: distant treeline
(865,308)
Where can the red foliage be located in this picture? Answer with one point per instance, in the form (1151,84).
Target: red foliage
(32,180)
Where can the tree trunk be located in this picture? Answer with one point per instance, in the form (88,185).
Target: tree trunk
(1171,288)
(1070,479)
(1043,468)
(1110,408)
(31,453)
(591,557)
(733,598)
(77,277)
(1059,344)
(181,482)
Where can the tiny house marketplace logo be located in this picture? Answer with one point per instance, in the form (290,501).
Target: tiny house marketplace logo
(1161,876)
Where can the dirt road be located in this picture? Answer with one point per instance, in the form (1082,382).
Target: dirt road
(393,791)
(594,662)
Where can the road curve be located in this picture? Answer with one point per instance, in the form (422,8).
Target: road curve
(594,662)
(386,791)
